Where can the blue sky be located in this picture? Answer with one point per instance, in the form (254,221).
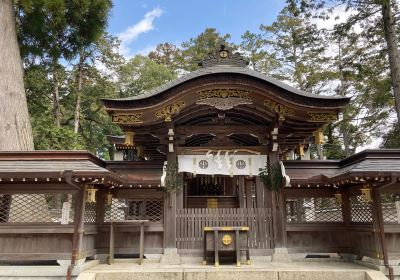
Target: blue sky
(141,25)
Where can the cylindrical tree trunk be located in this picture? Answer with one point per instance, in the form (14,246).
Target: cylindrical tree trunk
(56,97)
(393,51)
(78,94)
(15,126)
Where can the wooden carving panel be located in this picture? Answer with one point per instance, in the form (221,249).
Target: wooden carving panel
(127,118)
(167,111)
(322,117)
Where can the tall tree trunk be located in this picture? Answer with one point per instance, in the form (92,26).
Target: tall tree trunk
(15,126)
(56,96)
(342,92)
(394,56)
(78,93)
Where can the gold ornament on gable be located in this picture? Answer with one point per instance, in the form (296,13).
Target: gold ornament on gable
(127,118)
(169,110)
(224,99)
(322,117)
(282,110)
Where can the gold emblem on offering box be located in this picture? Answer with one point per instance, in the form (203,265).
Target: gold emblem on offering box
(282,110)
(322,117)
(127,118)
(226,239)
(167,111)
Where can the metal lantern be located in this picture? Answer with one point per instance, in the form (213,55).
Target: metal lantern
(109,197)
(91,194)
(366,194)
(338,197)
(129,138)
(319,137)
(301,150)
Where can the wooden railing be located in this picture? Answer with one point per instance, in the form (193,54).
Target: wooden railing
(191,221)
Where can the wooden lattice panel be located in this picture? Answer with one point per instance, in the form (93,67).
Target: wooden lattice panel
(313,209)
(34,208)
(360,210)
(389,210)
(127,209)
(90,212)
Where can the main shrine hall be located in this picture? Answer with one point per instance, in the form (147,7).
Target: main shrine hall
(223,146)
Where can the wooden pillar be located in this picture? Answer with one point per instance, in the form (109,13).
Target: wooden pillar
(241,192)
(278,210)
(375,210)
(81,229)
(346,208)
(170,202)
(100,206)
(249,194)
(259,193)
(170,219)
(179,198)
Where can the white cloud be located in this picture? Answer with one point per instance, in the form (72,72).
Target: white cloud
(142,26)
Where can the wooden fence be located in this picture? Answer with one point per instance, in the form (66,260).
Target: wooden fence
(191,221)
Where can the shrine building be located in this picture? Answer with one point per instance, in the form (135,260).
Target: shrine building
(222,146)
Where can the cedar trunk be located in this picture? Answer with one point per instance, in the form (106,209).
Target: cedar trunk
(15,126)
(78,94)
(393,51)
(56,96)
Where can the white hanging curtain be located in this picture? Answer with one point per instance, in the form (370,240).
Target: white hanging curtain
(222,164)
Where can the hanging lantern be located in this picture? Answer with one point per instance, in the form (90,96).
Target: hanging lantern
(91,194)
(139,151)
(366,194)
(338,197)
(319,137)
(109,197)
(301,150)
(129,138)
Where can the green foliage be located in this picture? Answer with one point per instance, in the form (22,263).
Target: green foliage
(49,137)
(392,139)
(168,55)
(272,177)
(173,180)
(141,74)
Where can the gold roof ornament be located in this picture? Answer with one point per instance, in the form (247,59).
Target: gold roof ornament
(134,118)
(322,116)
(169,110)
(282,110)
